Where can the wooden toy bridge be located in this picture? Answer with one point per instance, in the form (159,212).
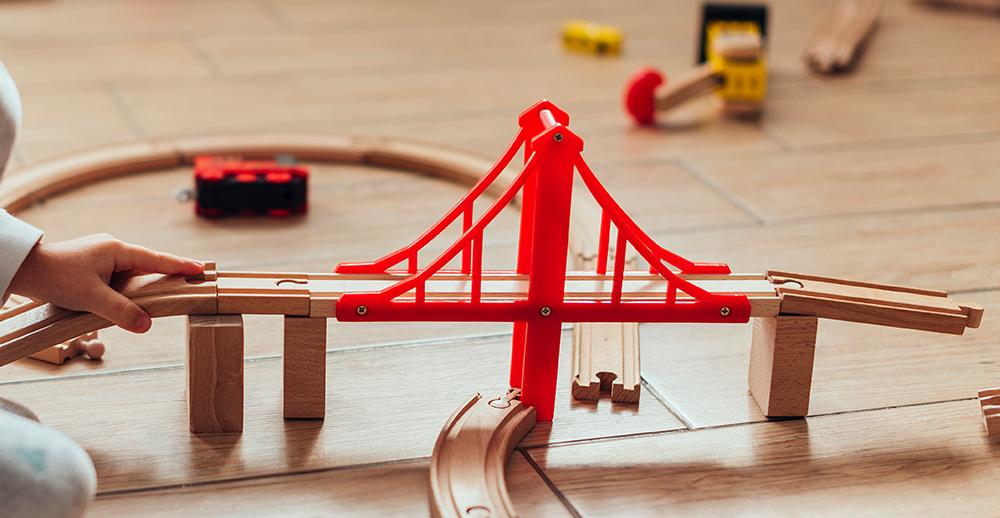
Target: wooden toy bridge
(537,296)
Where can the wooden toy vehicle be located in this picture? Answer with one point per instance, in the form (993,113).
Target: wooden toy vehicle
(227,186)
(592,37)
(733,66)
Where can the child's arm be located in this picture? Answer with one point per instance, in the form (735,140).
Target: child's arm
(75,275)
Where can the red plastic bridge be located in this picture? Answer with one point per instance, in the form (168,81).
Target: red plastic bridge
(551,154)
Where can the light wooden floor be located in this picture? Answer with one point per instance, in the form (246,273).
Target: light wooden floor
(889,174)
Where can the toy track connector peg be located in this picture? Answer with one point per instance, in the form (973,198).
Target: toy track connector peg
(226,186)
(592,38)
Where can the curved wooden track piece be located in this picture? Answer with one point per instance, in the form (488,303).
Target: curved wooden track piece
(471,453)
(62,174)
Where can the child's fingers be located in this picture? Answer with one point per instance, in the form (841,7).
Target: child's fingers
(141,259)
(119,310)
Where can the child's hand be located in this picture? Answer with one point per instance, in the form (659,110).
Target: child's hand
(75,274)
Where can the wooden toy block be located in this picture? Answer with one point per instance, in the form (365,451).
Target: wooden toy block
(215,373)
(606,359)
(989,403)
(304,368)
(781,364)
(837,43)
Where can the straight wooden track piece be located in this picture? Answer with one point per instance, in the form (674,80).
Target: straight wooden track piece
(617,344)
(781,364)
(989,403)
(606,359)
(304,368)
(838,41)
(215,373)
(263,293)
(471,454)
(870,303)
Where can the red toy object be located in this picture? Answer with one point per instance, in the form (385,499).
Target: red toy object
(552,152)
(226,186)
(640,98)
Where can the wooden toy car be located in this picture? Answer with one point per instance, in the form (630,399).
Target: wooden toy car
(592,37)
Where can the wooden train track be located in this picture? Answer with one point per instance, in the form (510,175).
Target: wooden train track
(469,458)
(36,326)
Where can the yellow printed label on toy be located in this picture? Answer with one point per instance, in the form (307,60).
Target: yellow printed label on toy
(743,80)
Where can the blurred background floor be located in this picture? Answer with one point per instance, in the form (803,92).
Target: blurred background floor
(888,174)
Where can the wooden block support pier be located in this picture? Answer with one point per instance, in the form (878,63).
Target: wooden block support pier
(215,373)
(304,368)
(989,402)
(781,364)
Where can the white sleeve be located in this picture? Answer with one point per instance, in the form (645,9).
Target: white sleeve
(10,115)
(17,238)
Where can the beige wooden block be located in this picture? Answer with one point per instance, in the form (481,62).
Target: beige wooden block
(304,368)
(989,403)
(215,373)
(781,364)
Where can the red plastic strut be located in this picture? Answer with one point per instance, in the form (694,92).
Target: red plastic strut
(551,153)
